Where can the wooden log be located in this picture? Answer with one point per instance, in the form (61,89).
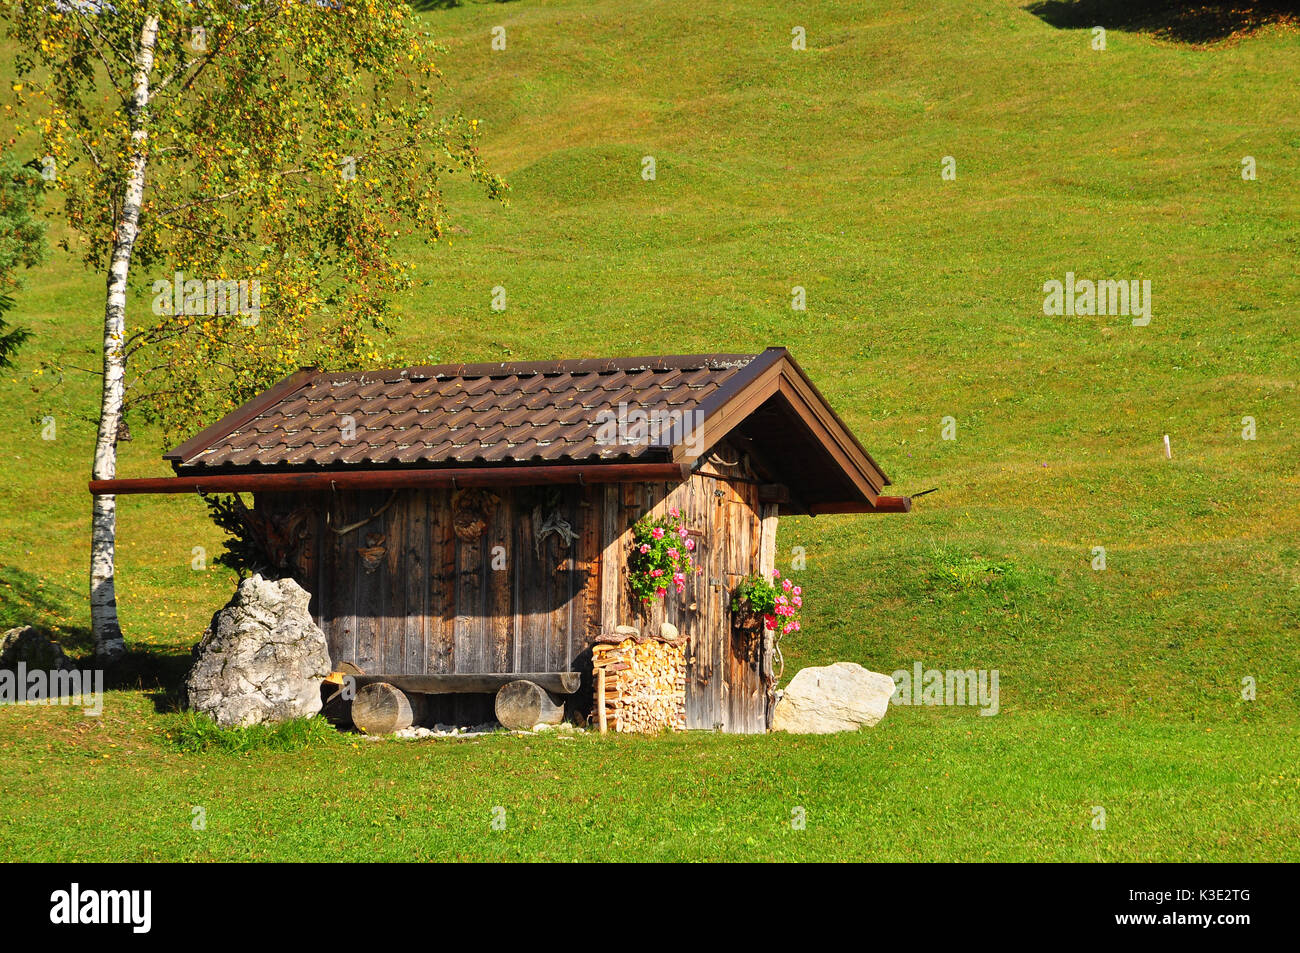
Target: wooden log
(476,683)
(523,704)
(337,709)
(600,695)
(380,709)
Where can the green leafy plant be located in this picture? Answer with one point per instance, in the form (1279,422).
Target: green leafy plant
(197,733)
(661,556)
(964,573)
(778,606)
(242,551)
(22,244)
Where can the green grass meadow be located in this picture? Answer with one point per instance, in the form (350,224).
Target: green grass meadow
(1121,689)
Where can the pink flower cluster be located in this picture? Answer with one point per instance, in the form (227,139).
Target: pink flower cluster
(661,556)
(788,603)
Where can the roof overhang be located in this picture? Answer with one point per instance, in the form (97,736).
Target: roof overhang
(395,479)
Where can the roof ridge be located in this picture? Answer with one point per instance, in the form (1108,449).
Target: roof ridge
(581,365)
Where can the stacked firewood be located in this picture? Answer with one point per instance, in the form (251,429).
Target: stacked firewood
(640,682)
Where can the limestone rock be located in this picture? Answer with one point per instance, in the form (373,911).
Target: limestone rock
(262,659)
(826,699)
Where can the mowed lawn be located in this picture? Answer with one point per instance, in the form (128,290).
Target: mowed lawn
(919,787)
(820,168)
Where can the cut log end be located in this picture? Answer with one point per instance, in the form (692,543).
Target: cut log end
(381,709)
(523,704)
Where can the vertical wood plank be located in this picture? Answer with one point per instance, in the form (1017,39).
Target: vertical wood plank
(498,571)
(532,621)
(744,695)
(767,516)
(549,578)
(704,676)
(343,581)
(590,514)
(321,593)
(518,610)
(470,625)
(694,632)
(611,556)
(442,604)
(397,563)
(370,587)
(416,572)
(714,631)
(566,585)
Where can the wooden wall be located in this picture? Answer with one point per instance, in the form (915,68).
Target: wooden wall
(725,669)
(402,593)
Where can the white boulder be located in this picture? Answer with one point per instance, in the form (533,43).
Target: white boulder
(825,699)
(262,658)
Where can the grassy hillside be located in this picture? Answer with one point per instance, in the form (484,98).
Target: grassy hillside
(821,168)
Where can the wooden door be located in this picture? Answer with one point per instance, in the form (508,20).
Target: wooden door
(702,609)
(725,685)
(738,539)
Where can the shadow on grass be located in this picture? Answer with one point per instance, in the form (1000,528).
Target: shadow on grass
(160,674)
(26,599)
(1195,22)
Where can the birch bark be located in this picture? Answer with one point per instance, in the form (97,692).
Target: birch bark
(104,624)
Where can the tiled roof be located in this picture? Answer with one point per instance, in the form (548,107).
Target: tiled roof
(457,414)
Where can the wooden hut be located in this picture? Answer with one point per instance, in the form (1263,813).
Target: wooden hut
(468,523)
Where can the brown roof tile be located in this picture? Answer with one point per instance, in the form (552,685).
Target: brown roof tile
(498,413)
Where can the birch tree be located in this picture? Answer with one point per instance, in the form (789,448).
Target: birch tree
(276,150)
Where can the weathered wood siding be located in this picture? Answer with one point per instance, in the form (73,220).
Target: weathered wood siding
(403,594)
(725,688)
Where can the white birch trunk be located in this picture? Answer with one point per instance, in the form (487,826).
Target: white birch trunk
(104,625)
